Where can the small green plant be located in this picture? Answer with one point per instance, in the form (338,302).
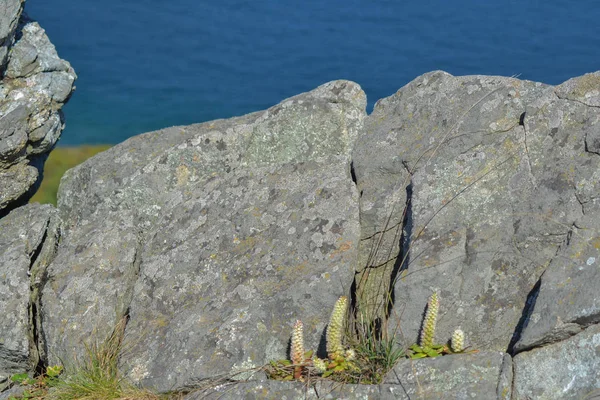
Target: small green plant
(97,376)
(37,388)
(366,358)
(426,346)
(302,364)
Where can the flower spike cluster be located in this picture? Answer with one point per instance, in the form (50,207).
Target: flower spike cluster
(457,343)
(297,348)
(302,364)
(428,331)
(335,329)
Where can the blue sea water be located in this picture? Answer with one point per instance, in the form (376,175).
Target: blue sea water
(147,64)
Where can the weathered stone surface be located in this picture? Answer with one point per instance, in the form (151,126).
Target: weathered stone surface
(214,238)
(486,375)
(16,180)
(10,10)
(267,389)
(231,230)
(224,291)
(568,299)
(584,89)
(22,236)
(36,84)
(566,370)
(88,285)
(14,392)
(495,167)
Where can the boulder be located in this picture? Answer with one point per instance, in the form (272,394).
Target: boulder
(9,18)
(28,236)
(36,84)
(480,375)
(569,369)
(567,301)
(213,238)
(478,185)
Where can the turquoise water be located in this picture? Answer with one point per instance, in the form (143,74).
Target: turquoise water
(147,64)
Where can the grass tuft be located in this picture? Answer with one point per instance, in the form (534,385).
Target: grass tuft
(377,351)
(98,377)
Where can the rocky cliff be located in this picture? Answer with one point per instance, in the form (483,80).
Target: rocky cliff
(213,239)
(35,84)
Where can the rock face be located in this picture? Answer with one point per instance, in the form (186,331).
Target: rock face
(213,239)
(28,237)
(496,182)
(566,370)
(476,376)
(35,85)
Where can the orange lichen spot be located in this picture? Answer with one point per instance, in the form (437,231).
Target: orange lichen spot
(342,248)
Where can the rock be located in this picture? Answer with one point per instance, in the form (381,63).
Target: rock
(15,392)
(484,375)
(584,89)
(569,369)
(27,238)
(472,376)
(36,84)
(213,238)
(493,172)
(14,180)
(11,10)
(568,301)
(270,389)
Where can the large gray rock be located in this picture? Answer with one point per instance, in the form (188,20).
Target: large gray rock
(213,238)
(566,370)
(485,375)
(36,84)
(568,300)
(494,172)
(27,238)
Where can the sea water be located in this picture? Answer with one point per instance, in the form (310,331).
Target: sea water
(147,64)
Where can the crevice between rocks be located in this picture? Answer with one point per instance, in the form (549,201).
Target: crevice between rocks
(506,378)
(403,259)
(353,173)
(564,330)
(573,100)
(525,316)
(40,260)
(586,146)
(372,290)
